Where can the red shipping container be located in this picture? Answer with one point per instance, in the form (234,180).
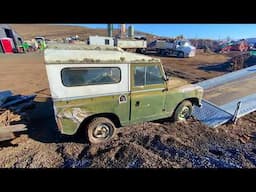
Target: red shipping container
(7,45)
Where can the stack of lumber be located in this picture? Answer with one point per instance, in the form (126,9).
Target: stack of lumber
(13,113)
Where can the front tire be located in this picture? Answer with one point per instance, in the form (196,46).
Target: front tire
(100,130)
(183,111)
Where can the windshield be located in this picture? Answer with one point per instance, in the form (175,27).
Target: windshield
(184,43)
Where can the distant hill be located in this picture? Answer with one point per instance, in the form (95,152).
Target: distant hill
(53,31)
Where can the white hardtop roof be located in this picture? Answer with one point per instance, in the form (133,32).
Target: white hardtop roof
(77,53)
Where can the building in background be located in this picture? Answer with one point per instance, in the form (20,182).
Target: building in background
(7,32)
(100,40)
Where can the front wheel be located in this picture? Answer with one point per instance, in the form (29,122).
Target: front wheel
(100,130)
(183,111)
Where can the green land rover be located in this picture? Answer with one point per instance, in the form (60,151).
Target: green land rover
(99,89)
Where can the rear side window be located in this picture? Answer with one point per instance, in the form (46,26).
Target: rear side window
(90,76)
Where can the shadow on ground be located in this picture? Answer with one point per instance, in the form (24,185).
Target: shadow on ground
(43,127)
(222,67)
(251,61)
(159,55)
(226,67)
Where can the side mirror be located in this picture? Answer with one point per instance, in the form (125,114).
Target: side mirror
(165,78)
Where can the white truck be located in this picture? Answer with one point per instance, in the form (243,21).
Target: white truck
(126,44)
(178,48)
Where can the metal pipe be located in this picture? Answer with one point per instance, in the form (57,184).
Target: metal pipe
(110,30)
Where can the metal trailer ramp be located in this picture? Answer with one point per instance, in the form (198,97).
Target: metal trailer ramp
(222,95)
(211,115)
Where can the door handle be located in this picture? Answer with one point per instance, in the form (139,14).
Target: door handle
(137,104)
(165,89)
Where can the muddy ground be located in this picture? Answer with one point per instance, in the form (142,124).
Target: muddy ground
(157,144)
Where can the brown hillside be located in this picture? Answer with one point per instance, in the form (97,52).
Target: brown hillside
(53,31)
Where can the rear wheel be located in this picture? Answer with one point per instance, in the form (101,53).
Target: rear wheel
(183,111)
(139,50)
(143,51)
(100,130)
(162,52)
(180,54)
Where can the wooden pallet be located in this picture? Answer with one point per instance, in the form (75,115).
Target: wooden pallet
(7,132)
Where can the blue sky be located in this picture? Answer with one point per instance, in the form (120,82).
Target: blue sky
(211,31)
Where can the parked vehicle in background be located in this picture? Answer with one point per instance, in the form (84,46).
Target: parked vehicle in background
(179,48)
(6,45)
(131,44)
(41,42)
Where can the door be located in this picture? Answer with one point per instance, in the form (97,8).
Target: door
(148,92)
(7,46)
(1,48)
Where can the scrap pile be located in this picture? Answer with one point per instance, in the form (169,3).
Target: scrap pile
(13,114)
(237,62)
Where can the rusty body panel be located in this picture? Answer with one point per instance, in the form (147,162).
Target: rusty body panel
(70,114)
(176,82)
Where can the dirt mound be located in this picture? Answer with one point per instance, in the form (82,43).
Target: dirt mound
(159,144)
(175,145)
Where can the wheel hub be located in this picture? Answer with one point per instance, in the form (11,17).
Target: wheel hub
(101,131)
(184,112)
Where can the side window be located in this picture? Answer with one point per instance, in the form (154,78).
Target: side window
(147,75)
(153,75)
(139,76)
(90,76)
(106,41)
